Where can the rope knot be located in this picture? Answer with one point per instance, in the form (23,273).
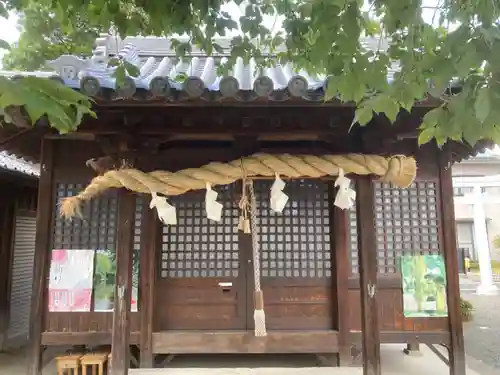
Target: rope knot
(401,171)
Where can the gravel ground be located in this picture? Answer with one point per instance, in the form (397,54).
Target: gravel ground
(482,334)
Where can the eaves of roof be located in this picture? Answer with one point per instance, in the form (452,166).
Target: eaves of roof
(15,164)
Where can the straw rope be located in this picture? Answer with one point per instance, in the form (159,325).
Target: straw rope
(259,315)
(399,170)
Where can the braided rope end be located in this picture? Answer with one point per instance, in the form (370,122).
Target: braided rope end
(260,323)
(71,207)
(401,171)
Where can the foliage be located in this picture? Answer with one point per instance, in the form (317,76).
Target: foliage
(63,106)
(495,266)
(466,309)
(42,39)
(456,42)
(496,242)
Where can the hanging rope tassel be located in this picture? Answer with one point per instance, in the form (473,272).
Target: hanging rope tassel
(244,222)
(259,316)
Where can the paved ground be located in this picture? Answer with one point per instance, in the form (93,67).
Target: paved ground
(482,334)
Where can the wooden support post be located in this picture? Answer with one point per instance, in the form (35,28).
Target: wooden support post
(412,348)
(367,256)
(123,292)
(147,273)
(41,263)
(245,145)
(340,267)
(7,228)
(449,245)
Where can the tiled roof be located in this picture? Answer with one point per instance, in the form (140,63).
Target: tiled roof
(12,163)
(163,75)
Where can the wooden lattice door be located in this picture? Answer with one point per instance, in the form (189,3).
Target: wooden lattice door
(296,266)
(200,285)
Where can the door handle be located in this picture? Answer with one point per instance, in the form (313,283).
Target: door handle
(225,286)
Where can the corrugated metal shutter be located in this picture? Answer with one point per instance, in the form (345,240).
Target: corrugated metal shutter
(22,279)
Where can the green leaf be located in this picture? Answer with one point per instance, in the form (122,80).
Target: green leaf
(363,115)
(114,62)
(431,118)
(4,44)
(482,105)
(3,11)
(181,77)
(426,136)
(386,105)
(331,89)
(120,75)
(132,70)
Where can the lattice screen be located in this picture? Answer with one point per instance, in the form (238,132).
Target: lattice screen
(406,222)
(139,204)
(137,223)
(97,229)
(198,247)
(353,240)
(295,243)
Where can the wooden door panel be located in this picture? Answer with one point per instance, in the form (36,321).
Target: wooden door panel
(198,303)
(296,270)
(298,305)
(197,255)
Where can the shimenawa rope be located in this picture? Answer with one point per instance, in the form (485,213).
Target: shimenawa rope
(399,170)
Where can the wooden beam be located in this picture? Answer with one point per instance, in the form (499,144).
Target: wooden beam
(229,341)
(367,255)
(456,347)
(340,242)
(83,338)
(42,258)
(123,291)
(150,233)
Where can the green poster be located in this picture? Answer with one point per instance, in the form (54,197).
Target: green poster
(104,280)
(424,286)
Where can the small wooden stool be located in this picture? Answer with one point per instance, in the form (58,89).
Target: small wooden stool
(68,363)
(96,362)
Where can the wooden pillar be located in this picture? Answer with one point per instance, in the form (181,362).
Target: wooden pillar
(123,291)
(7,227)
(449,245)
(244,145)
(340,288)
(150,233)
(367,255)
(42,258)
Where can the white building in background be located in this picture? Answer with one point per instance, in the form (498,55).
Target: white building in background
(483,173)
(476,184)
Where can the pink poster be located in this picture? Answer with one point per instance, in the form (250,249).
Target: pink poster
(70,284)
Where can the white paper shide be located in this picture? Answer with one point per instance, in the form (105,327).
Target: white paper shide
(345,195)
(278,198)
(212,207)
(166,212)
